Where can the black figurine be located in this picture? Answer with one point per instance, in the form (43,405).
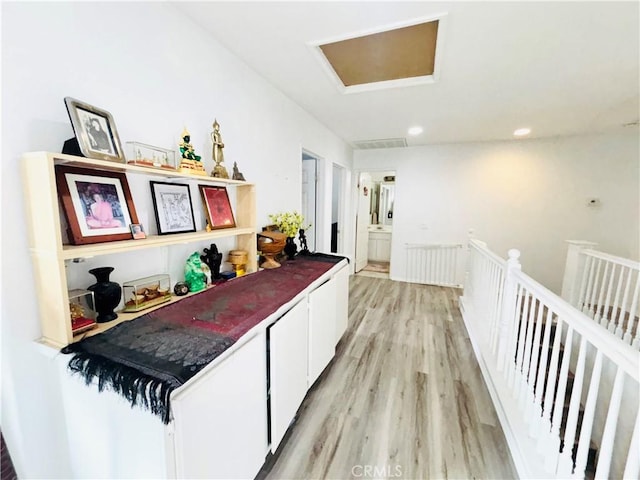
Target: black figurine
(303,243)
(213,259)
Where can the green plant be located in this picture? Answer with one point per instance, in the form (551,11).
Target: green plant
(289,223)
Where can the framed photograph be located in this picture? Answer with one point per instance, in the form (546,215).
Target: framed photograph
(217,206)
(95,131)
(172,204)
(137,231)
(97,204)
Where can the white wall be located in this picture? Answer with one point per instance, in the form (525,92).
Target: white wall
(155,72)
(526,194)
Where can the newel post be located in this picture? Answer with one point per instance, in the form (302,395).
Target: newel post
(573,269)
(508,307)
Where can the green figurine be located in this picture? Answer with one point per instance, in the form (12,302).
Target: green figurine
(194,277)
(186,149)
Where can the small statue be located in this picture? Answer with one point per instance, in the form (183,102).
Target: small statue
(236,174)
(194,277)
(214,259)
(186,149)
(219,170)
(303,243)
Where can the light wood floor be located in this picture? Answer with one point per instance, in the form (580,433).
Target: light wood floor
(403,398)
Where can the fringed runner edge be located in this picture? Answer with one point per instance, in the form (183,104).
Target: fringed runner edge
(139,389)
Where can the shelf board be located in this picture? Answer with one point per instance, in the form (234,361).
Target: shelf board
(95,164)
(106,248)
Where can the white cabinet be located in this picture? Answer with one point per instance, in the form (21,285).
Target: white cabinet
(380,246)
(341,280)
(221,420)
(288,352)
(322,329)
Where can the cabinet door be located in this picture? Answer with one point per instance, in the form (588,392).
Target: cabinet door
(373,248)
(221,420)
(384,249)
(322,328)
(288,353)
(342,302)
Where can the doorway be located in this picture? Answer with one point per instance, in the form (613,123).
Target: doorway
(310,196)
(337,212)
(374,223)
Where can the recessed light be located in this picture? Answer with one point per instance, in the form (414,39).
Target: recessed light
(521,132)
(415,130)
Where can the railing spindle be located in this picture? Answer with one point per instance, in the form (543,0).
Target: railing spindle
(632,467)
(565,466)
(610,426)
(600,314)
(587,419)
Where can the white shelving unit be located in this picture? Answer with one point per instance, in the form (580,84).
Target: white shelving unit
(49,253)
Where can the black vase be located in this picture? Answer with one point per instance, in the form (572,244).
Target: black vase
(290,248)
(107,294)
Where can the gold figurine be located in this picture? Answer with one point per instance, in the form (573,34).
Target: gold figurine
(219,170)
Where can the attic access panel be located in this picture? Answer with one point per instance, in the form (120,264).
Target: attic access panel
(401,53)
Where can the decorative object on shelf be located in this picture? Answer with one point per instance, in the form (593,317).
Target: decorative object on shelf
(226,275)
(146,292)
(190,162)
(186,149)
(239,259)
(213,259)
(237,175)
(82,310)
(97,204)
(137,231)
(303,242)
(194,277)
(217,206)
(271,244)
(95,132)
(289,223)
(150,156)
(219,170)
(290,248)
(107,294)
(180,289)
(173,209)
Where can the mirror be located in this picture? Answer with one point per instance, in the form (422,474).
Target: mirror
(382,197)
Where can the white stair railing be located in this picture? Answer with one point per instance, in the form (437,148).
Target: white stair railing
(563,413)
(434,264)
(605,288)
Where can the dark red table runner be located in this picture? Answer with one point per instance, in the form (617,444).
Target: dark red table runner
(147,358)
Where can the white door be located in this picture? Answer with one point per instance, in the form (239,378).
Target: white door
(309,180)
(322,329)
(221,420)
(362,221)
(288,354)
(341,280)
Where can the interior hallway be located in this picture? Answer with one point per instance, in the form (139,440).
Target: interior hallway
(403,398)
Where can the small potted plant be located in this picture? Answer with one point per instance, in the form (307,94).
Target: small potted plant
(289,223)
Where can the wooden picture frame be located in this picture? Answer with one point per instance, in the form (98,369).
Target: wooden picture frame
(97,204)
(217,206)
(173,207)
(95,131)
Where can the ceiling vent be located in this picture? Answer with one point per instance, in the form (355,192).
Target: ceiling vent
(382,143)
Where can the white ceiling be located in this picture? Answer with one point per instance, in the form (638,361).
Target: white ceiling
(560,68)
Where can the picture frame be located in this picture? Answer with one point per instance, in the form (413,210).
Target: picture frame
(95,131)
(217,206)
(137,231)
(97,204)
(173,207)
